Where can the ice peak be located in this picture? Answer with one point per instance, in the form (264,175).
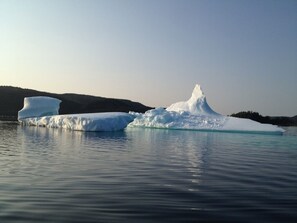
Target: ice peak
(197,104)
(197,93)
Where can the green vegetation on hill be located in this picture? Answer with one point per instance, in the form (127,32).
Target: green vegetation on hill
(12,100)
(282,121)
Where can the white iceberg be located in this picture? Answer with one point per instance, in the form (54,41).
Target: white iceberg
(43,111)
(196,105)
(196,114)
(39,106)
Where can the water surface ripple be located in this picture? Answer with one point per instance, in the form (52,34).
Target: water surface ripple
(146,175)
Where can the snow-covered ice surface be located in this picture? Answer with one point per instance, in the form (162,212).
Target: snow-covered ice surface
(43,111)
(196,114)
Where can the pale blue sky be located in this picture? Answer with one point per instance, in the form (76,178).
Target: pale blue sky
(242,52)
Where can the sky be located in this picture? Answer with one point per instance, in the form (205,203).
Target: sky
(242,52)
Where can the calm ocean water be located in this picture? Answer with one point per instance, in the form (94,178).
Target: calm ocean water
(146,175)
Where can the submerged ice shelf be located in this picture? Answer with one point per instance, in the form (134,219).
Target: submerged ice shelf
(193,114)
(196,114)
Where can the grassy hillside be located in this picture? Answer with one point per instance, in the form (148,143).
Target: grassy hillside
(12,99)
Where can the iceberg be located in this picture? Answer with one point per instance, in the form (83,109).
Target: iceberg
(44,111)
(197,104)
(196,114)
(39,106)
(193,114)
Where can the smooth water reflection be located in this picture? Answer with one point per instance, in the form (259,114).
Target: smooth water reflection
(145,175)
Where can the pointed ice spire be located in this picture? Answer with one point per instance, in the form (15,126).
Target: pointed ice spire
(195,105)
(197,93)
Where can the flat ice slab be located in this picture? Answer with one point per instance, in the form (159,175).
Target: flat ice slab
(44,111)
(108,121)
(161,118)
(196,114)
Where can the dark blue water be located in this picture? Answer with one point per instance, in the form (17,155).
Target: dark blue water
(146,175)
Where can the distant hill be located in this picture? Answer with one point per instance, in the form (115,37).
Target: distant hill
(12,99)
(279,120)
